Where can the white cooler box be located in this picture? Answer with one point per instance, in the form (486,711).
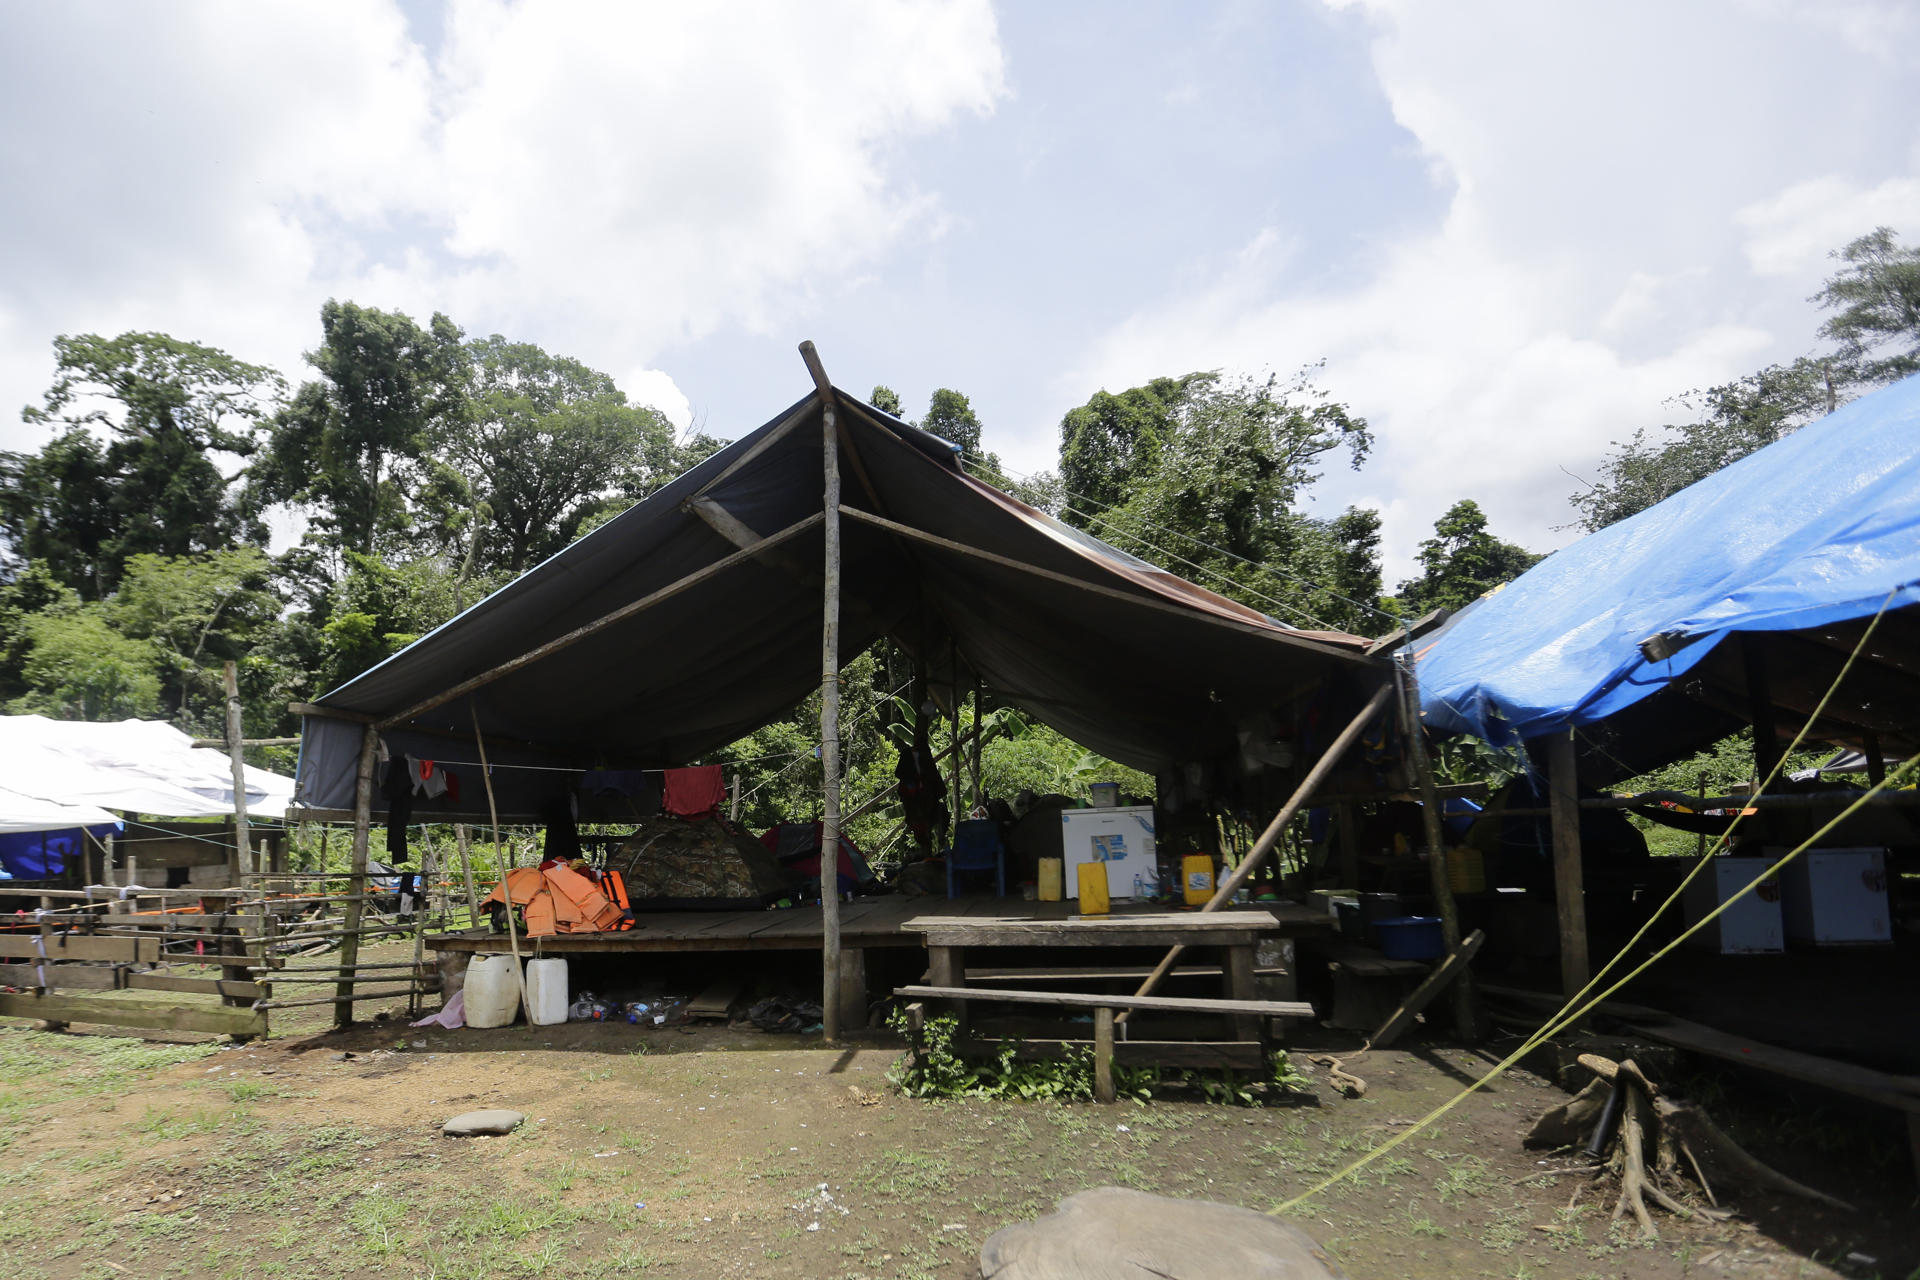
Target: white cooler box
(1751,925)
(1837,896)
(1120,838)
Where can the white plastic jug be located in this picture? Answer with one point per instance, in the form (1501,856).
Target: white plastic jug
(493,991)
(546,991)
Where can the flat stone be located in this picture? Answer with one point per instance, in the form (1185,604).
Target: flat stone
(472,1124)
(1111,1233)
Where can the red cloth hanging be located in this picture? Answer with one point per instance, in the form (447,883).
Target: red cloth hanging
(695,792)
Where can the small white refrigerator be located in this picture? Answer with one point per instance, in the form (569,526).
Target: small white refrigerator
(1750,926)
(1837,896)
(1120,838)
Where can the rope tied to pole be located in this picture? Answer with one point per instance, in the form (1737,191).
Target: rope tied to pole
(1568,1014)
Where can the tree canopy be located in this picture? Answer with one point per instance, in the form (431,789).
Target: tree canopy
(1875,301)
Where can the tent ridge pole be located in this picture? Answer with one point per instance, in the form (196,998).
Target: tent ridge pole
(578,634)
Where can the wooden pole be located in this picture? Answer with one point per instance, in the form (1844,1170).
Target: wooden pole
(1430,819)
(464,838)
(599,624)
(829,706)
(953,752)
(979,779)
(1568,888)
(240,856)
(1766,736)
(500,861)
(1329,758)
(362,833)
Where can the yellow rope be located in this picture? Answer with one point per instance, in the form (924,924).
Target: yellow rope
(1561,1020)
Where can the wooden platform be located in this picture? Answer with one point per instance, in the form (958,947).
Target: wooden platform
(866,922)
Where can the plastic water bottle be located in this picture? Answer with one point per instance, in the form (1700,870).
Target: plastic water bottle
(1139,887)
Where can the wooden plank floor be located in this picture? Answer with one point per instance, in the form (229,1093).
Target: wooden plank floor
(865,922)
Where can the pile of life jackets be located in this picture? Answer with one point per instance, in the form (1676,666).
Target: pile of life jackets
(561,899)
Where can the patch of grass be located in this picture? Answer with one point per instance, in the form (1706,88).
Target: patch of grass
(172,1126)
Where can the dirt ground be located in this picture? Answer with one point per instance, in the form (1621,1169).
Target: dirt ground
(731,1152)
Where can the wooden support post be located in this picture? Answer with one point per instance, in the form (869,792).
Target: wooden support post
(1464,1019)
(463,836)
(979,780)
(500,861)
(1103,1090)
(953,752)
(240,857)
(1330,758)
(1876,774)
(1569,890)
(1766,735)
(1448,970)
(357,891)
(1346,833)
(829,706)
(1240,984)
(733,809)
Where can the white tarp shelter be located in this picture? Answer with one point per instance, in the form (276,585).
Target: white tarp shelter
(66,773)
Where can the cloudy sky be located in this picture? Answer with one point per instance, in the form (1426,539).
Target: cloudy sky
(1512,230)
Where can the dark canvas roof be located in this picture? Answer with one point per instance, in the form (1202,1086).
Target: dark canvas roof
(1121,656)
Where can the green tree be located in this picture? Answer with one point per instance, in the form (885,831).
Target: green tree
(1207,477)
(887,400)
(35,590)
(165,408)
(546,443)
(79,668)
(196,612)
(1461,562)
(1732,420)
(354,447)
(1112,440)
(1875,300)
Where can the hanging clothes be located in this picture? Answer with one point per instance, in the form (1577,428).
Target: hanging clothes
(695,792)
(399,796)
(429,779)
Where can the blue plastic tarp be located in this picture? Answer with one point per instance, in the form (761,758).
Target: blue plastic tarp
(1815,529)
(45,855)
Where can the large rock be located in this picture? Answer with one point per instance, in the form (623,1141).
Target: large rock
(473,1124)
(1111,1233)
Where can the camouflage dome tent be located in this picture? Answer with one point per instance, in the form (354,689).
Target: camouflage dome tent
(672,864)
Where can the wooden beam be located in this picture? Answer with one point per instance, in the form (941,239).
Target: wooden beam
(1103,1090)
(1569,886)
(1140,597)
(829,704)
(221,743)
(240,856)
(1766,738)
(1430,818)
(1096,1000)
(599,624)
(357,886)
(124,1011)
(1325,765)
(331,713)
(1455,965)
(767,442)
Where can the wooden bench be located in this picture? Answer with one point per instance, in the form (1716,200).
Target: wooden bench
(1103,1006)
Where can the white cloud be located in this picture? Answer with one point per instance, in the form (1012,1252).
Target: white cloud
(1791,233)
(1624,182)
(658,389)
(604,179)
